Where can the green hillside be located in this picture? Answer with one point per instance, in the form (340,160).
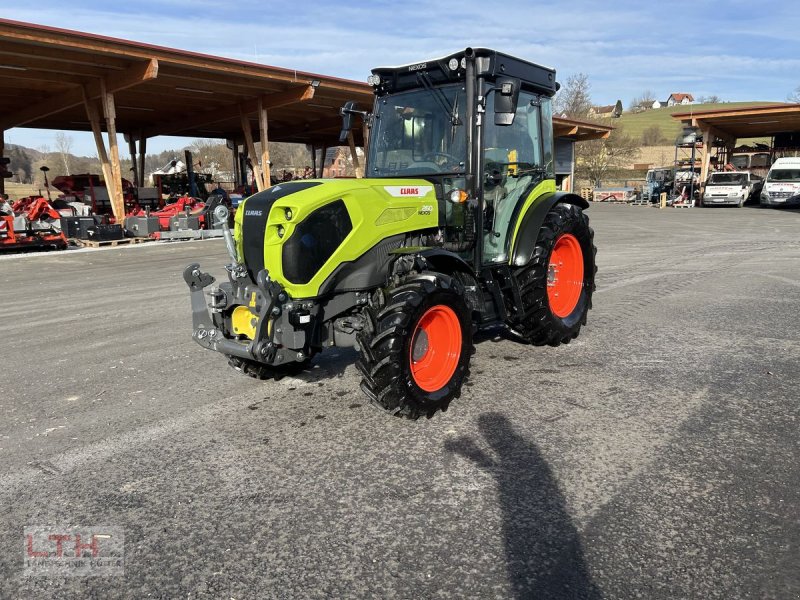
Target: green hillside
(635,124)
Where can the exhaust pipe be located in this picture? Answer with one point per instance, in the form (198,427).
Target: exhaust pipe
(221,214)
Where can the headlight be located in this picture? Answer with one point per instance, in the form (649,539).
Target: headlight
(458,196)
(288,214)
(281,231)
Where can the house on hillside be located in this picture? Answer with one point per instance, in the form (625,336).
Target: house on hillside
(680,98)
(602,112)
(606,112)
(659,104)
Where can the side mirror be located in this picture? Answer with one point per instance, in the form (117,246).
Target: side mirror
(348,111)
(506,98)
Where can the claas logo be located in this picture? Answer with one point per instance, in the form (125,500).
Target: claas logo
(4,169)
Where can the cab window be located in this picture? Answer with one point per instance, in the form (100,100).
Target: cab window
(514,159)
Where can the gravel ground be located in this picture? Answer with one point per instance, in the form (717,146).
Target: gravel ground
(656,456)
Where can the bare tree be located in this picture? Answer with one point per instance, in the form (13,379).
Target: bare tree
(574,100)
(712,99)
(211,156)
(794,96)
(643,101)
(64,148)
(596,159)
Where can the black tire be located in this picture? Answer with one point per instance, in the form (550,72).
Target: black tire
(258,370)
(537,324)
(386,345)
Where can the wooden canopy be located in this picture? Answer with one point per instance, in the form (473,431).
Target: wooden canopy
(745,122)
(160,91)
(578,130)
(731,124)
(68,80)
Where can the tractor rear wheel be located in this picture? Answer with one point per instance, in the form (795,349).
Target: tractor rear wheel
(416,348)
(556,286)
(258,370)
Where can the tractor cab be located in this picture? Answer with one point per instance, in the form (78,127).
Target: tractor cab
(478,124)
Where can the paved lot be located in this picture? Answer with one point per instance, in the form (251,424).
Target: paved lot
(656,456)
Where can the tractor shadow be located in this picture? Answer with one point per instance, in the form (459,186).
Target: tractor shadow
(331,363)
(495,335)
(544,554)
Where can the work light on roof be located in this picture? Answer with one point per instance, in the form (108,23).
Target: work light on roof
(374,80)
(453,64)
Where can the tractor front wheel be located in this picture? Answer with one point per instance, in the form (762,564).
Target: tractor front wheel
(416,349)
(556,286)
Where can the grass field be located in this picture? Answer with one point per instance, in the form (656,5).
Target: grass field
(16,191)
(635,124)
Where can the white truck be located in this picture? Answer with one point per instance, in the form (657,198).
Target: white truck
(731,188)
(782,187)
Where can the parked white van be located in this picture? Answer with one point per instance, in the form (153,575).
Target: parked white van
(782,187)
(731,187)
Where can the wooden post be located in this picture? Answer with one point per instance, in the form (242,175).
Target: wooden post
(235,158)
(142,155)
(324,155)
(251,150)
(263,129)
(118,202)
(354,156)
(314,159)
(708,141)
(132,151)
(105,165)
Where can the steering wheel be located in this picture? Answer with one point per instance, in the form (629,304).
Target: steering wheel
(431,157)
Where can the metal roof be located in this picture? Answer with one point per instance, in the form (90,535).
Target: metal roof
(160,91)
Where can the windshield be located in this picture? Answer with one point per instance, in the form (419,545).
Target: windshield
(419,132)
(728,179)
(784,175)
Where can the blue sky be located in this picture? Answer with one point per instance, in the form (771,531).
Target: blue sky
(738,50)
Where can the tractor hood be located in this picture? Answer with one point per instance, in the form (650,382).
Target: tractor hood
(301,231)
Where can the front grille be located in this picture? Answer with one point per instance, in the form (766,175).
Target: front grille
(780,195)
(314,241)
(254,222)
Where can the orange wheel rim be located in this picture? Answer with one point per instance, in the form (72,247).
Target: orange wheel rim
(435,348)
(565,275)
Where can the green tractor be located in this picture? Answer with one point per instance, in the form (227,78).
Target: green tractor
(457,226)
